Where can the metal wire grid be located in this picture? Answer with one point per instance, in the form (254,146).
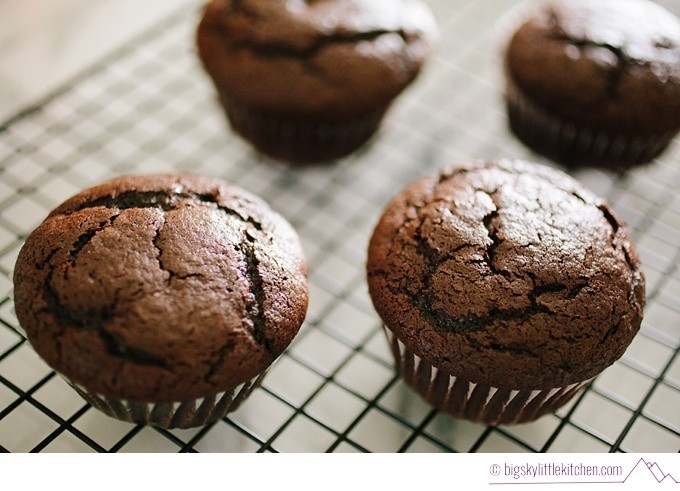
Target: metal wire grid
(150,108)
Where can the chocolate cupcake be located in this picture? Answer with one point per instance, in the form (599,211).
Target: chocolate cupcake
(162,299)
(595,83)
(504,287)
(311,81)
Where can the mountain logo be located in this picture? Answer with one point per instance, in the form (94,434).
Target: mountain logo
(649,472)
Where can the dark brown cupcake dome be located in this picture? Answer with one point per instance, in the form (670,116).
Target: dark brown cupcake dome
(312,84)
(595,83)
(161,288)
(506,274)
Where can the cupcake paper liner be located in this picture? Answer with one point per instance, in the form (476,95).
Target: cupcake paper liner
(181,414)
(299,140)
(476,402)
(572,145)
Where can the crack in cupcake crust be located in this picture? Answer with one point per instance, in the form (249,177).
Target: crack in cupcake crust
(165,202)
(161,287)
(494,270)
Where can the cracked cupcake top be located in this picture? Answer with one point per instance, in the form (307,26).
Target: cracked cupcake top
(327,58)
(161,288)
(610,64)
(506,273)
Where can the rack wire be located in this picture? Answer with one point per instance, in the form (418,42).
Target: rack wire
(149,107)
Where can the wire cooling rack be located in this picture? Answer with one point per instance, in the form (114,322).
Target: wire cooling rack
(149,107)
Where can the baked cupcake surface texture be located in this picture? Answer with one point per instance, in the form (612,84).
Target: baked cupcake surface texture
(595,83)
(311,81)
(162,298)
(504,287)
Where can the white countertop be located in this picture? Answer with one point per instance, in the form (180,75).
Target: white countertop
(44,43)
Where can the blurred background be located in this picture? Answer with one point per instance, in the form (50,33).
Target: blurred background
(43,43)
